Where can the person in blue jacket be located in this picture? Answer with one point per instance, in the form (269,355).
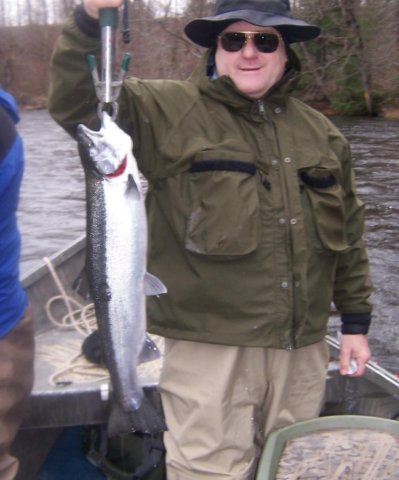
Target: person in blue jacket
(16,325)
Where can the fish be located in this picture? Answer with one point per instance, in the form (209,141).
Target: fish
(116,262)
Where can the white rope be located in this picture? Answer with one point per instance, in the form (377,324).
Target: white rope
(81,318)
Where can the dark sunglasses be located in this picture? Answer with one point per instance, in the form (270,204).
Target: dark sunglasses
(265,42)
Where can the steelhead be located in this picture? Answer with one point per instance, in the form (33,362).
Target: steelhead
(116,268)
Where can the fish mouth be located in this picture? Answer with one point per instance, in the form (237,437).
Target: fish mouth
(92,145)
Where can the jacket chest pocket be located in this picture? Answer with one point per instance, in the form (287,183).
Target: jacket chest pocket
(327,207)
(223,210)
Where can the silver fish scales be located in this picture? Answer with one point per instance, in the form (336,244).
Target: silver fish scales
(116,263)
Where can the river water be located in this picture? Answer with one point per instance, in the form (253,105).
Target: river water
(52,208)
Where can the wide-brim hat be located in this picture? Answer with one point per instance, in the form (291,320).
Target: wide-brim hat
(263,13)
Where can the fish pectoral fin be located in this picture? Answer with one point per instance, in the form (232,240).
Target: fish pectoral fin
(133,188)
(153,286)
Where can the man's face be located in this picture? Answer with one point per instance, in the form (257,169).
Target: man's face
(253,72)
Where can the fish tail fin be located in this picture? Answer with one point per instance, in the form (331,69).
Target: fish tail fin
(146,419)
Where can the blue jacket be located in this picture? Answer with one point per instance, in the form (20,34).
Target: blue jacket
(13,299)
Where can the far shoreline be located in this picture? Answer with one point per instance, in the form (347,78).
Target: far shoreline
(386,113)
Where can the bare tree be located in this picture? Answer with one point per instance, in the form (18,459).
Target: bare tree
(382,41)
(2,13)
(66,7)
(349,8)
(199,8)
(359,45)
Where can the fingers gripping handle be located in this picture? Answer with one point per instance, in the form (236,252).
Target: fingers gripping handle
(107,88)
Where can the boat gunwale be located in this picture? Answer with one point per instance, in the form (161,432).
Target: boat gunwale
(57,259)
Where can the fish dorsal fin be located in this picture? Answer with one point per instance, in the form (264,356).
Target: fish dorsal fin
(153,286)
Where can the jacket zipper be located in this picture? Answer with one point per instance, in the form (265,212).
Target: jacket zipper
(263,114)
(262,110)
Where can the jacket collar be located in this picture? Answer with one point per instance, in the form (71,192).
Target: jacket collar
(223,90)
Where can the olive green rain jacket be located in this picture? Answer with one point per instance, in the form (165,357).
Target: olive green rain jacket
(255,226)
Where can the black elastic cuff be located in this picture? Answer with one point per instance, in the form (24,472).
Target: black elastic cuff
(355,323)
(88,25)
(354,330)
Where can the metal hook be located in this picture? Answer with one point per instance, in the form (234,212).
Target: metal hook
(107,89)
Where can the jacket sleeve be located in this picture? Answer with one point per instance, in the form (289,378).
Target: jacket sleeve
(71,97)
(352,287)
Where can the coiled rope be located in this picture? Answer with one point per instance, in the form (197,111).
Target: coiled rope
(79,317)
(73,367)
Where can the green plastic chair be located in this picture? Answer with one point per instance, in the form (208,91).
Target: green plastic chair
(274,447)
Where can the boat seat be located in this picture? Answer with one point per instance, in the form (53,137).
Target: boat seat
(339,446)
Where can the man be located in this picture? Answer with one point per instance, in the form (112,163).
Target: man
(255,229)
(16,330)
